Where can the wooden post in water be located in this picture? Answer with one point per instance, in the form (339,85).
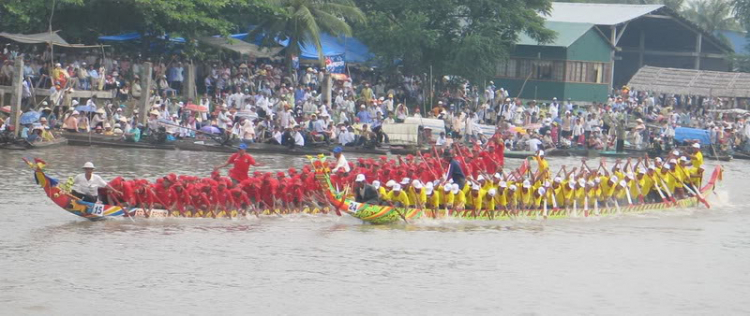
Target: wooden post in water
(146,78)
(15,101)
(327,88)
(188,90)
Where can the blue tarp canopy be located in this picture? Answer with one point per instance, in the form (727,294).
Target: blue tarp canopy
(353,50)
(683,133)
(136,36)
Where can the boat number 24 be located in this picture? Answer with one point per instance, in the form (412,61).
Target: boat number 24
(353,207)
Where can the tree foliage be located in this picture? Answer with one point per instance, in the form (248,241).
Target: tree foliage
(84,20)
(712,15)
(741,10)
(455,37)
(303,21)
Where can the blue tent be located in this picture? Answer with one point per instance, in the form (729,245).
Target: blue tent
(136,36)
(354,51)
(683,133)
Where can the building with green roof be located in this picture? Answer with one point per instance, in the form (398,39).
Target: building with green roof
(600,46)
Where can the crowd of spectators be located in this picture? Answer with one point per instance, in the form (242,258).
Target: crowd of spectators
(262,101)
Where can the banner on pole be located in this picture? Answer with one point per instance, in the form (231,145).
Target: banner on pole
(295,62)
(335,64)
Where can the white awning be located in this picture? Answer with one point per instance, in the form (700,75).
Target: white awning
(242,47)
(43,38)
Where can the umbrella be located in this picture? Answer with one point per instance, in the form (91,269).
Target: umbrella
(339,76)
(85,108)
(196,108)
(210,129)
(30,117)
(518,129)
(247,114)
(5,109)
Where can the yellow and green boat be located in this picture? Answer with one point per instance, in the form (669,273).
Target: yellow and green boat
(384,214)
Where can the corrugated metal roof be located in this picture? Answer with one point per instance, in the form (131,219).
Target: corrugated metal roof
(567,34)
(599,13)
(692,82)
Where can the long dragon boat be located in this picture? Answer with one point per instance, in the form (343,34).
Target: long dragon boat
(60,194)
(339,203)
(387,214)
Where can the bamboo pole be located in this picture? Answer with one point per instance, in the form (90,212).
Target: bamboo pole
(145,92)
(15,102)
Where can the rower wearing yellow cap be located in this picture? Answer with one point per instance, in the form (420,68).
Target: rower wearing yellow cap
(397,196)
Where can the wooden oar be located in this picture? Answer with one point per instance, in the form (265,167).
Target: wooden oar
(398,212)
(627,194)
(694,190)
(658,189)
(666,189)
(585,204)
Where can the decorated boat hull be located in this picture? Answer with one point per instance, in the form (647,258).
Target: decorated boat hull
(61,196)
(382,214)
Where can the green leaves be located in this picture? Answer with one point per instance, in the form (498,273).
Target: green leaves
(741,10)
(304,20)
(85,20)
(464,38)
(712,15)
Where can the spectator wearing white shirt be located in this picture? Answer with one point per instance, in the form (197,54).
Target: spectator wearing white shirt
(223,119)
(299,140)
(533,144)
(346,137)
(441,141)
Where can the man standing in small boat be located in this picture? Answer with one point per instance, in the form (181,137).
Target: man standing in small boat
(241,161)
(86,185)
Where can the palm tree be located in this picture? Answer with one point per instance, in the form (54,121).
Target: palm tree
(742,11)
(712,15)
(303,21)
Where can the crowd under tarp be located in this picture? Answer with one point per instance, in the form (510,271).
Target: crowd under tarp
(50,38)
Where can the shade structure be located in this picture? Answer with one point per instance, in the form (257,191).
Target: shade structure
(241,47)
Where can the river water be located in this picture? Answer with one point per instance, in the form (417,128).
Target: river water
(694,261)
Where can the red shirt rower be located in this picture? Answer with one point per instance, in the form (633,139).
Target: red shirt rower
(241,161)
